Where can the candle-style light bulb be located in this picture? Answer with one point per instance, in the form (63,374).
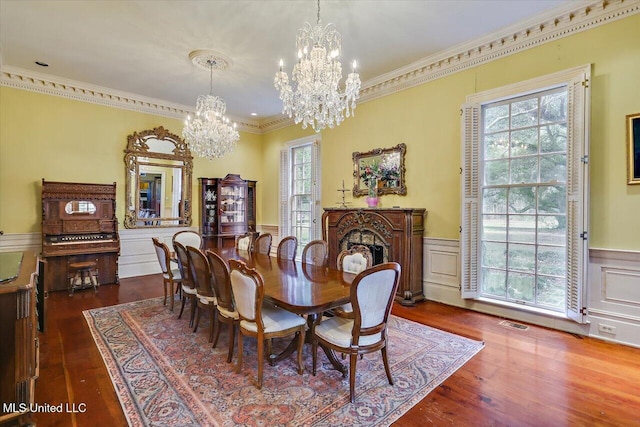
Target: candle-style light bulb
(281,64)
(355,65)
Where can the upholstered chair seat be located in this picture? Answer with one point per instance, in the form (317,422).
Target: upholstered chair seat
(372,294)
(226,309)
(189,290)
(261,321)
(200,273)
(170,272)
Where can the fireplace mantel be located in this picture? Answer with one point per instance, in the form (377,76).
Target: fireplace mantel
(395,233)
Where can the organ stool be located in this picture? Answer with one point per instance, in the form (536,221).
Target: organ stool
(82,275)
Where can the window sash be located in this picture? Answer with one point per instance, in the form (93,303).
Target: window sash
(577,81)
(297,181)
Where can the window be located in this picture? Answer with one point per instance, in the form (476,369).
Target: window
(525,194)
(299,192)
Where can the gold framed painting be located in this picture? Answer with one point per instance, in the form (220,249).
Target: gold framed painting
(633,148)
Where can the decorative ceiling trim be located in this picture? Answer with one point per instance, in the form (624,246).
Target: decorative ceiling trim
(19,78)
(463,57)
(496,46)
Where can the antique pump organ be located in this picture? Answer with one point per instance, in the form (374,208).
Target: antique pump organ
(79,228)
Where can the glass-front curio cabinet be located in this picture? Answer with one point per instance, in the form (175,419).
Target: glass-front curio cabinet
(227,209)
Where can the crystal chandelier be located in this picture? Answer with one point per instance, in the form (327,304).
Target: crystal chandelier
(210,134)
(314,98)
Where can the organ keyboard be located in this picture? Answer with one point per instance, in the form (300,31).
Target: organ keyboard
(78,224)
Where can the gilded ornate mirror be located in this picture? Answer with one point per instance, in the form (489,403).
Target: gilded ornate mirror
(382,168)
(158,167)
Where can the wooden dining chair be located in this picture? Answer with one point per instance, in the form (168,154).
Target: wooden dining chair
(188,238)
(200,273)
(287,248)
(170,275)
(262,244)
(244,242)
(225,308)
(372,294)
(263,322)
(189,291)
(316,252)
(353,260)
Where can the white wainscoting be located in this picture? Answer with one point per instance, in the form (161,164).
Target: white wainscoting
(18,242)
(614,297)
(613,294)
(137,254)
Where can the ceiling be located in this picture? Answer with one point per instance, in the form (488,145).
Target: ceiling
(142,47)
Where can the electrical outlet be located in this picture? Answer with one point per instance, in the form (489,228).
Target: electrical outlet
(607,329)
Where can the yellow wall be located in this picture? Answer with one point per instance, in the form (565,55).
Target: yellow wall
(59,139)
(426,118)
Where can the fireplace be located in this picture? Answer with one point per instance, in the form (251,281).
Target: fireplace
(390,234)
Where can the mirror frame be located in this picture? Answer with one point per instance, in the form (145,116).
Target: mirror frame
(361,160)
(138,147)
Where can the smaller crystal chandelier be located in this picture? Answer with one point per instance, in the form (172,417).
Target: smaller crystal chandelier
(210,134)
(314,98)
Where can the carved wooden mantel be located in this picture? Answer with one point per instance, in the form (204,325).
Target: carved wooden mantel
(396,232)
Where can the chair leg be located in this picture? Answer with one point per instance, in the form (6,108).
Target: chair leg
(199,310)
(213,322)
(184,300)
(240,351)
(300,346)
(171,295)
(385,360)
(194,306)
(232,336)
(164,282)
(353,359)
(314,354)
(260,360)
(216,334)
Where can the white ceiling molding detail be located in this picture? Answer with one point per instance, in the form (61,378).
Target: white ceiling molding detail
(51,85)
(498,46)
(462,57)
(490,48)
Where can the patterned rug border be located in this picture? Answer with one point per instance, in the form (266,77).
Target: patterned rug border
(203,416)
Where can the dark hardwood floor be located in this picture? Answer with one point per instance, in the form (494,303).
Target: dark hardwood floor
(537,377)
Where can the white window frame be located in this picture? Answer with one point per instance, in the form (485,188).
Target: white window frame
(286,186)
(577,81)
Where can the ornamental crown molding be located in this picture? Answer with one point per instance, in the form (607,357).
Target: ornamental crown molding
(561,23)
(47,84)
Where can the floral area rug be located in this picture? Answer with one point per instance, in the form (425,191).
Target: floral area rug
(166,375)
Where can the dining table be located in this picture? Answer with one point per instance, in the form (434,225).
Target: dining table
(301,288)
